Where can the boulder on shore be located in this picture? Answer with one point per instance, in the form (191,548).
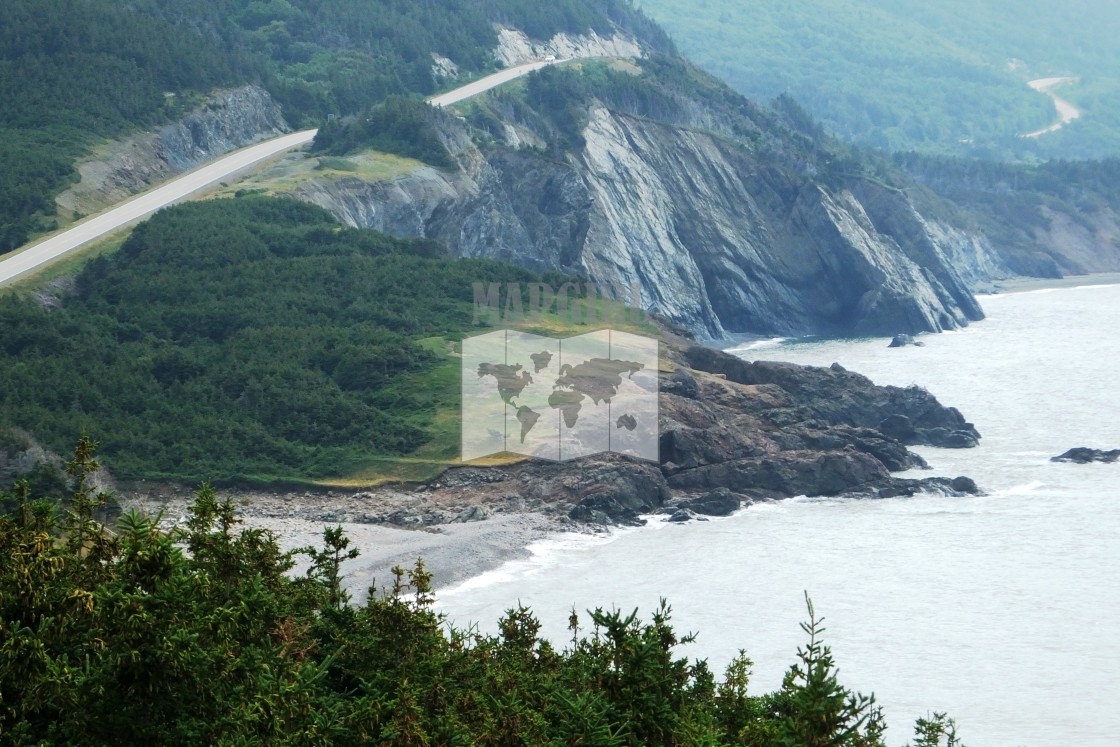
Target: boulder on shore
(718,502)
(1083,455)
(901,341)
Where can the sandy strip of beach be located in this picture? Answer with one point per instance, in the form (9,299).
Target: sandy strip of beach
(1021,285)
(451,552)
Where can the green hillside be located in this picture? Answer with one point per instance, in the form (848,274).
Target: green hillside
(244,337)
(948,77)
(73,72)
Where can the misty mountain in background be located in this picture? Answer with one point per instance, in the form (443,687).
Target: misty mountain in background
(947,77)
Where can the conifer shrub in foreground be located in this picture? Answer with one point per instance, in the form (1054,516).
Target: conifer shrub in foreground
(200,635)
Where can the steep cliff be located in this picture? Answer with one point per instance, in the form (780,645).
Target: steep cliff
(648,173)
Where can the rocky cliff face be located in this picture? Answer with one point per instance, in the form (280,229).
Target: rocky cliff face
(516,48)
(227,121)
(720,237)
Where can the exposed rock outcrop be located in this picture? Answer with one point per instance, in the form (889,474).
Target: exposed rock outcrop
(1084,455)
(719,502)
(719,239)
(24,458)
(228,120)
(516,48)
(732,433)
(901,341)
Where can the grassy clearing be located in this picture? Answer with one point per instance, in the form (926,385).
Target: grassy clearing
(285,175)
(439,389)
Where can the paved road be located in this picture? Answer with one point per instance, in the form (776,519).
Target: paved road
(485,84)
(224,168)
(1067,112)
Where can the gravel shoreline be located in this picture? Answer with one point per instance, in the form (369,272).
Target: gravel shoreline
(386,526)
(452,553)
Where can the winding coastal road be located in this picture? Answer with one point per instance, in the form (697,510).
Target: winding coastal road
(233,164)
(1067,112)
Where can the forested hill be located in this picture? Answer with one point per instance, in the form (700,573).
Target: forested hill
(73,72)
(948,76)
(243,337)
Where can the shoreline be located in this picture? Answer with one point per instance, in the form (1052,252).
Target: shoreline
(456,553)
(741,342)
(1026,285)
(481,539)
(452,553)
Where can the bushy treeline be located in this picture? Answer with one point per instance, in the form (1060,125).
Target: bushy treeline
(242,337)
(201,636)
(1015,203)
(399,125)
(74,71)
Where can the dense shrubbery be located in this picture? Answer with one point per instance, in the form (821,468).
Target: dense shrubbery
(199,637)
(398,125)
(72,70)
(252,336)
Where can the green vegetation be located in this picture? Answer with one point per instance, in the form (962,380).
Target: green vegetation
(73,72)
(556,100)
(243,337)
(254,338)
(947,77)
(201,636)
(398,125)
(1013,204)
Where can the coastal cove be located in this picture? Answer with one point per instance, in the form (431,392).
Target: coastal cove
(990,607)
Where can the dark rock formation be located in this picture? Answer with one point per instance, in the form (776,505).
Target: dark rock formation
(956,487)
(823,397)
(964,485)
(901,341)
(1083,455)
(681,515)
(734,432)
(719,502)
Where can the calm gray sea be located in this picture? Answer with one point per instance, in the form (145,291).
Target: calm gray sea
(999,609)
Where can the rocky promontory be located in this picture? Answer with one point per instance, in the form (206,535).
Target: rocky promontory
(732,433)
(735,432)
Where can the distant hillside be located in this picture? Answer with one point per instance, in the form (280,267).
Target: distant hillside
(947,77)
(73,72)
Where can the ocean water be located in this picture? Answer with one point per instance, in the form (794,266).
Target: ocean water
(1000,609)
